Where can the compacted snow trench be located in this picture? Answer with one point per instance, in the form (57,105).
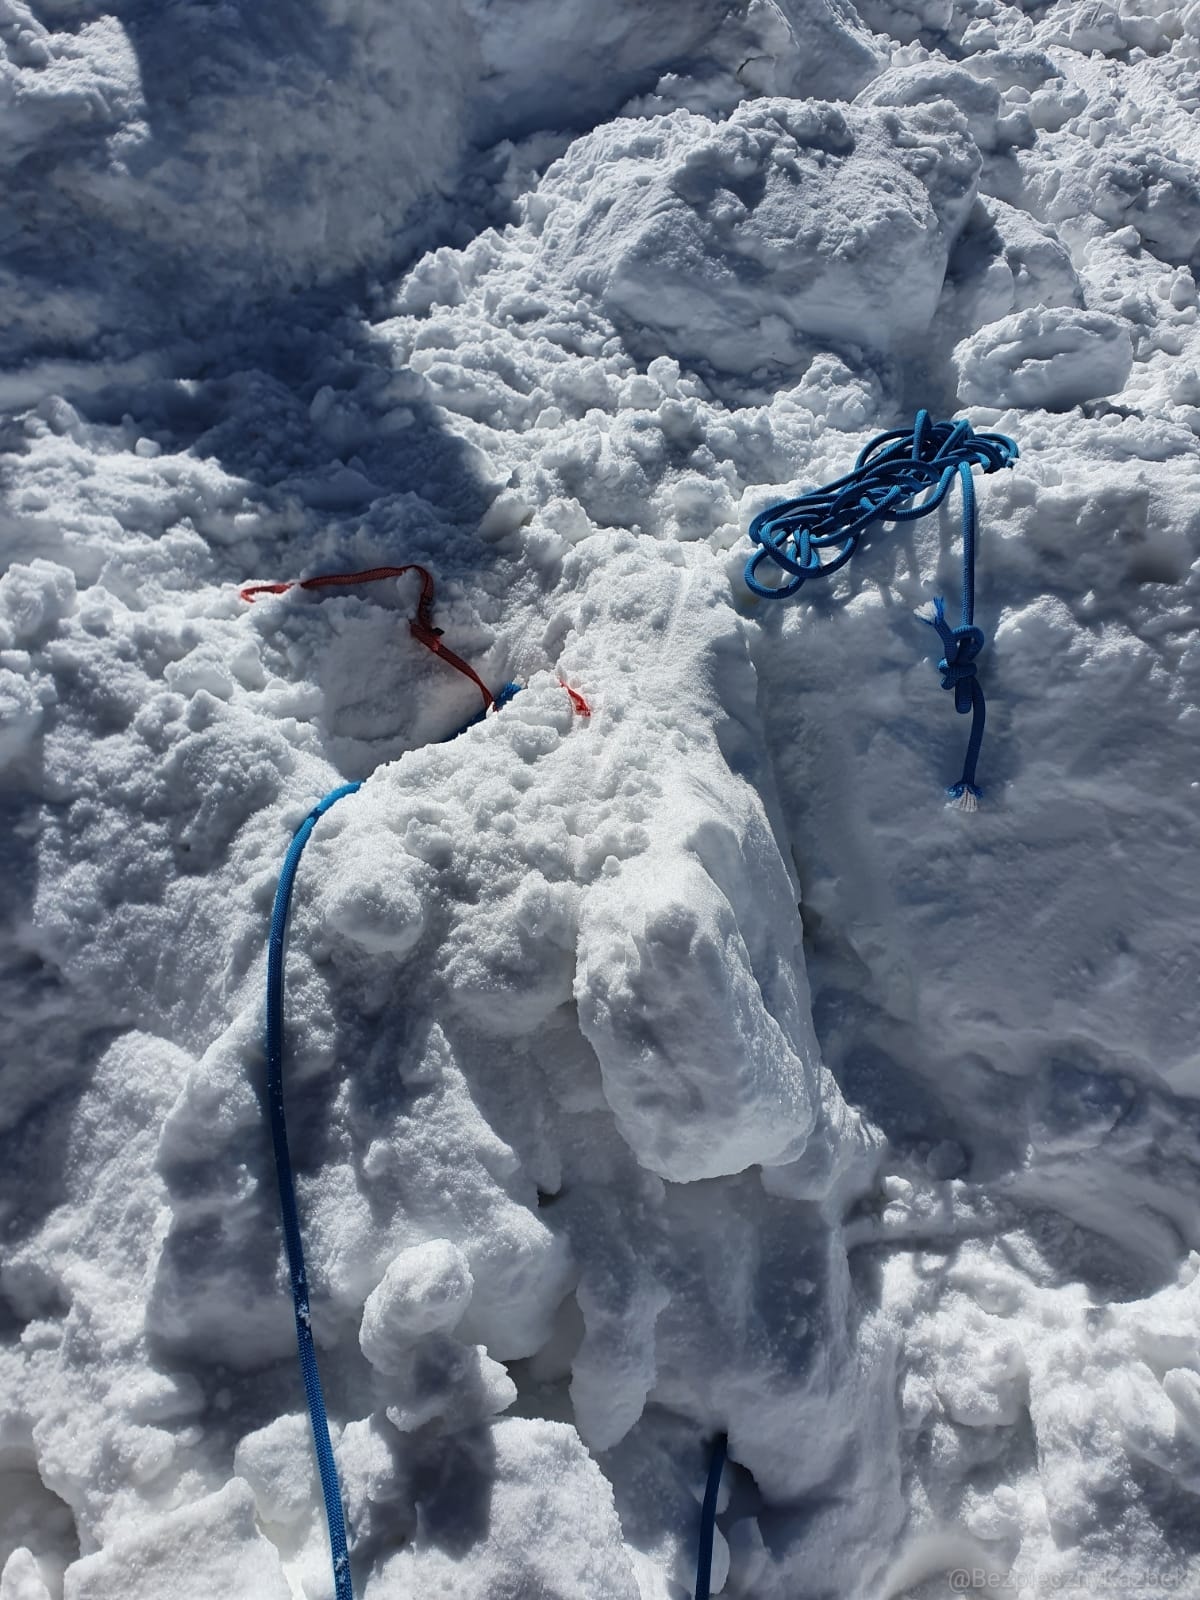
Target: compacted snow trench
(685,1069)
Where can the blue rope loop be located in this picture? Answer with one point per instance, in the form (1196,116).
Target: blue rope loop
(708,1517)
(888,475)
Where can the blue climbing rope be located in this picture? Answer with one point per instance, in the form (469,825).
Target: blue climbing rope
(500,700)
(326,1465)
(287,1198)
(708,1517)
(889,473)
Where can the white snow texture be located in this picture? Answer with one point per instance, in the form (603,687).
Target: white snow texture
(686,1067)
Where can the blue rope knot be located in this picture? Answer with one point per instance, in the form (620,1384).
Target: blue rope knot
(956,674)
(958,665)
(888,475)
(960,673)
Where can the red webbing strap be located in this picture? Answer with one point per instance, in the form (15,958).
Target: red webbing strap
(421,626)
(577,699)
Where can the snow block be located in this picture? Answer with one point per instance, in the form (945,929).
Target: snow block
(737,243)
(703,1076)
(278,1463)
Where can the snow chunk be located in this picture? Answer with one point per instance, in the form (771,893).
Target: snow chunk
(424,1290)
(1087,26)
(278,1463)
(33,600)
(931,82)
(1153,193)
(507,512)
(212,1547)
(1052,357)
(21,1578)
(1005,261)
(736,243)
(701,1077)
(847,400)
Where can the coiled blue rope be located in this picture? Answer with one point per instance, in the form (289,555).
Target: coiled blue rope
(326,1465)
(708,1517)
(889,472)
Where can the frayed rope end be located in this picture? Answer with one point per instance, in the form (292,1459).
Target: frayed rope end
(963,797)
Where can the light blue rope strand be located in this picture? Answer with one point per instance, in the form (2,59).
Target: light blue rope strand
(889,473)
(708,1517)
(326,1465)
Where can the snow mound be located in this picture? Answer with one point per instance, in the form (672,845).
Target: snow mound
(1053,357)
(424,1290)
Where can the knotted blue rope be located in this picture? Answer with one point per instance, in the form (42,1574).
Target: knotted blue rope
(889,473)
(708,1517)
(287,1199)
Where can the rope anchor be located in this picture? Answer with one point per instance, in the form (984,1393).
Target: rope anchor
(889,473)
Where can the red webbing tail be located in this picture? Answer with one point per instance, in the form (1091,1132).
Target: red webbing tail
(421,626)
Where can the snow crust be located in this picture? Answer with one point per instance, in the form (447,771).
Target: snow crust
(684,1067)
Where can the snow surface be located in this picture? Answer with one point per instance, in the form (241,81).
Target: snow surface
(684,1068)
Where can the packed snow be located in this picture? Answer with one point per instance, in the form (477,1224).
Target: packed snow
(686,1067)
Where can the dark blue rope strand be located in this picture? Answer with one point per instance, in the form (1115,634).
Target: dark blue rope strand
(888,475)
(708,1517)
